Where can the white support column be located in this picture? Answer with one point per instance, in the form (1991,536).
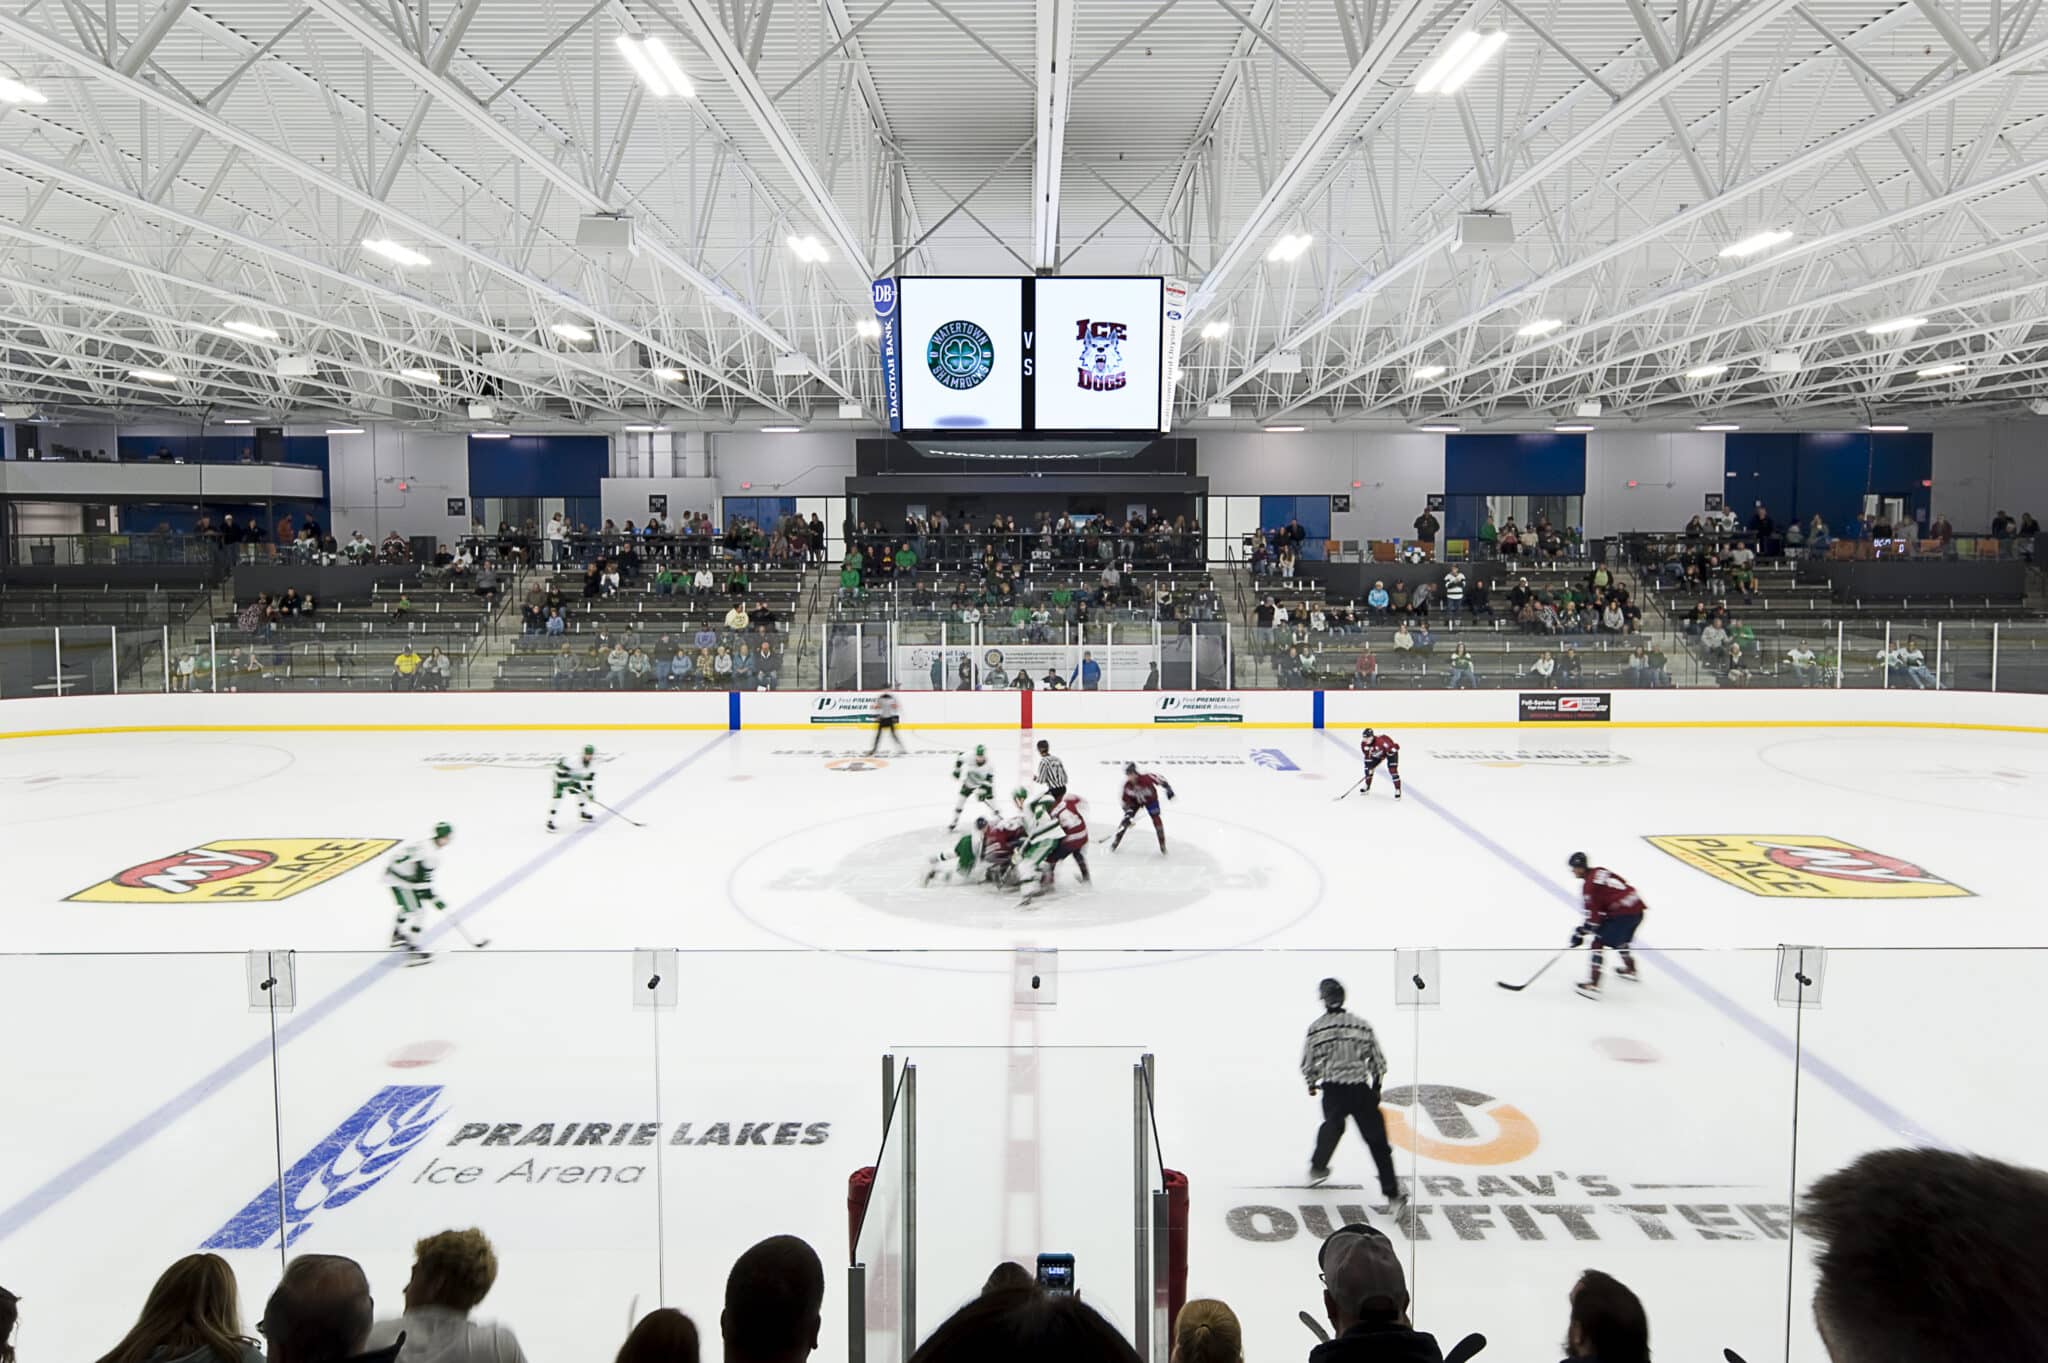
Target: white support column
(1937,654)
(1886,662)
(213,653)
(1994,657)
(1841,660)
(167,659)
(57,642)
(114,652)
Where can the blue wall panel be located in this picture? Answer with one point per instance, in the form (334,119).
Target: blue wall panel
(1312,512)
(539,466)
(1798,475)
(1515,465)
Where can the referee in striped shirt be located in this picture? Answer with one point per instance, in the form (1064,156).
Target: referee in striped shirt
(1052,773)
(1342,1058)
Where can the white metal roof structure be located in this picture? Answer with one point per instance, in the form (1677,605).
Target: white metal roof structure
(187,187)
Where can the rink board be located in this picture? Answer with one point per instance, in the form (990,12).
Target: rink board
(1650,1134)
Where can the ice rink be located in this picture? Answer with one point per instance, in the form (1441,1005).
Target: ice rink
(621,1154)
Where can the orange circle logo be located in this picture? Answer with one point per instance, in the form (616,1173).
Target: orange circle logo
(1459,1139)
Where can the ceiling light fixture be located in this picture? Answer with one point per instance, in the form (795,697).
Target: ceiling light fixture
(1285,430)
(1896,325)
(1706,371)
(152,376)
(1542,326)
(419,375)
(490,435)
(1423,373)
(252,330)
(1942,371)
(868,327)
(1575,428)
(808,249)
(1440,428)
(669,375)
(1887,429)
(656,66)
(1290,246)
(780,430)
(1460,62)
(13,91)
(1215,331)
(396,252)
(1718,426)
(235,421)
(569,331)
(642,429)
(344,430)
(1755,245)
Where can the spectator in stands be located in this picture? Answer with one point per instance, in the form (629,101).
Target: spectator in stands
(1480,600)
(9,1316)
(607,582)
(702,581)
(706,638)
(1817,536)
(1454,592)
(1397,599)
(405,668)
(395,549)
(1510,540)
(774,1299)
(191,1316)
(1713,640)
(1489,536)
(1464,672)
(2003,526)
(359,549)
(615,667)
(1426,528)
(2029,527)
(662,1336)
(1657,661)
(563,675)
(1024,1325)
(531,621)
(557,538)
(1207,1331)
(1570,667)
(1805,670)
(1089,673)
(737,582)
(736,618)
(1543,670)
(1365,672)
(1608,1323)
(452,1272)
(1929,1255)
(1424,596)
(1404,641)
(1611,619)
(437,672)
(321,1312)
(639,670)
(721,666)
(1365,1297)
(1636,672)
(555,626)
(1425,643)
(669,581)
(188,671)
(1288,562)
(682,672)
(1913,662)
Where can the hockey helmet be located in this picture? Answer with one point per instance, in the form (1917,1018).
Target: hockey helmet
(1578,861)
(1368,735)
(1332,993)
(981,823)
(443,832)
(1044,746)
(1130,768)
(590,750)
(1021,795)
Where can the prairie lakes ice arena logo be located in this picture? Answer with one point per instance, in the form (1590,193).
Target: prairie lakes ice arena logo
(369,1144)
(531,761)
(1806,866)
(242,869)
(352,1159)
(1272,759)
(960,355)
(1489,1203)
(1102,355)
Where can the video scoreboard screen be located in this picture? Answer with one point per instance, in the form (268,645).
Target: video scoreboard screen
(1074,355)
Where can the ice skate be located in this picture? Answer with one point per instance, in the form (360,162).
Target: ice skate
(1397,1206)
(1589,989)
(1629,973)
(588,817)
(418,958)
(1317,1177)
(551,825)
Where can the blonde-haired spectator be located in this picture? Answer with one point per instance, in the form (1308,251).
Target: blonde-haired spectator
(452,1272)
(1206,1331)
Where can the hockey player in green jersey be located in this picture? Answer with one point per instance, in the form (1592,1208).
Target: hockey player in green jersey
(959,862)
(977,782)
(574,776)
(409,875)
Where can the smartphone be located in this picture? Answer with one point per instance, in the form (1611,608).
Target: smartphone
(1056,1272)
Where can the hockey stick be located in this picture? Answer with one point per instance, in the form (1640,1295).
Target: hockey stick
(1353,790)
(1518,988)
(615,813)
(1465,1348)
(1315,1327)
(478,942)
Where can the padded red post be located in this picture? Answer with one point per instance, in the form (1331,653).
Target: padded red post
(859,1187)
(1176,1245)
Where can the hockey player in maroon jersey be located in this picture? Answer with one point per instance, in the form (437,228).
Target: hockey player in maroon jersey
(1141,791)
(1062,833)
(1613,913)
(1378,748)
(999,844)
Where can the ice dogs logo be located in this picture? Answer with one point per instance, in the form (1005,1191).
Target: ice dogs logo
(352,1159)
(1102,355)
(1807,866)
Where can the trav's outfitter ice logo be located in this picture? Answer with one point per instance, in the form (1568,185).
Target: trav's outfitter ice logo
(1102,355)
(1806,866)
(960,355)
(1272,759)
(1198,709)
(352,1159)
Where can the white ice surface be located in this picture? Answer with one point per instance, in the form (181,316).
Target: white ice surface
(145,1111)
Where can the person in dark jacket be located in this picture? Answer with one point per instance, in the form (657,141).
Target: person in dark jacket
(1365,1296)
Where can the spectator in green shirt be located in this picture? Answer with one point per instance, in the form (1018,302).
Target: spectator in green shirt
(906,561)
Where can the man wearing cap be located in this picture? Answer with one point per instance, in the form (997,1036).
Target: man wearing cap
(1342,1059)
(1365,1295)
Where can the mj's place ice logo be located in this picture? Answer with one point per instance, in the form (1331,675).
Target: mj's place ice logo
(960,355)
(1102,354)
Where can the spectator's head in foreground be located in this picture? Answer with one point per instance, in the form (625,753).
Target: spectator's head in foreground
(1206,1331)
(664,1336)
(453,1268)
(1362,1280)
(1025,1326)
(191,1312)
(9,1312)
(1608,1323)
(1931,1257)
(320,1312)
(1009,1275)
(774,1297)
